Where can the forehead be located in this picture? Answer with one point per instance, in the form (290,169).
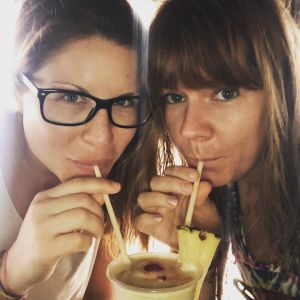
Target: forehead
(92,63)
(203,43)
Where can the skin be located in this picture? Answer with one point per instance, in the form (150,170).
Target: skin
(227,135)
(103,70)
(67,195)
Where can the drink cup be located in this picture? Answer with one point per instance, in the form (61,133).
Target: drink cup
(151,276)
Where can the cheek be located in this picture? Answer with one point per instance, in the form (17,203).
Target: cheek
(173,122)
(43,138)
(248,144)
(256,147)
(122,138)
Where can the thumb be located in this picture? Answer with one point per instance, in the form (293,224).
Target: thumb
(99,198)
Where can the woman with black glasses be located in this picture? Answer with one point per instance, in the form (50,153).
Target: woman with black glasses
(80,105)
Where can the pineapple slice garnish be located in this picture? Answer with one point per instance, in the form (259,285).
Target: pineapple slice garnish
(196,248)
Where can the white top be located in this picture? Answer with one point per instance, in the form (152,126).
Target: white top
(71,275)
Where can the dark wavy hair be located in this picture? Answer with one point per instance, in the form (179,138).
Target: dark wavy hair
(245,43)
(44,27)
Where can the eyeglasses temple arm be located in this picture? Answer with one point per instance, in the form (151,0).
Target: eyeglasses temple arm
(28,83)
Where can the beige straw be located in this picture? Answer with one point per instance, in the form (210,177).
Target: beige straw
(114,222)
(190,210)
(198,288)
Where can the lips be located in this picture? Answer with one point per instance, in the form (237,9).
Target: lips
(86,167)
(207,162)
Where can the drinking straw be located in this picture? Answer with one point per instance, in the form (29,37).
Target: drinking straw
(190,210)
(198,288)
(188,220)
(113,220)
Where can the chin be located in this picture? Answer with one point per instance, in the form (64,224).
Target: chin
(216,180)
(63,176)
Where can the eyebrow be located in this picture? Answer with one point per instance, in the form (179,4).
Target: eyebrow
(78,87)
(81,89)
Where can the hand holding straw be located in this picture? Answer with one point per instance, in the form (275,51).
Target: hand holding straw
(114,221)
(190,210)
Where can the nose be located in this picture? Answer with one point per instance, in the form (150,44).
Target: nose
(197,120)
(99,129)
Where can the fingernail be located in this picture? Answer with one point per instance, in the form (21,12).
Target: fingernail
(116,185)
(173,201)
(157,218)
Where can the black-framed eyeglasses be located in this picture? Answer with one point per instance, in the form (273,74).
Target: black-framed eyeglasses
(73,108)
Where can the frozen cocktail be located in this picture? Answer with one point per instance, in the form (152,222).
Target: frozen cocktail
(152,276)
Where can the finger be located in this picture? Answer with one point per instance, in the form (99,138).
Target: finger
(77,219)
(147,222)
(169,184)
(68,202)
(185,173)
(89,185)
(155,202)
(99,198)
(202,195)
(71,243)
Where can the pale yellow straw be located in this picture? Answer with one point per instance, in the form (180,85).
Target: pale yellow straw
(113,220)
(190,210)
(188,221)
(198,288)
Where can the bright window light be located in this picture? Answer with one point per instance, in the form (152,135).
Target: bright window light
(145,9)
(8,13)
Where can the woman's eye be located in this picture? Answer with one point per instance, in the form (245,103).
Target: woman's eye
(173,98)
(72,98)
(124,103)
(227,94)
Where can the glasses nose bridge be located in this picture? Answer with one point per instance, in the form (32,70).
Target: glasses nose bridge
(101,104)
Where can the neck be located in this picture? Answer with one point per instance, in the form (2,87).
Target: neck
(250,187)
(252,199)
